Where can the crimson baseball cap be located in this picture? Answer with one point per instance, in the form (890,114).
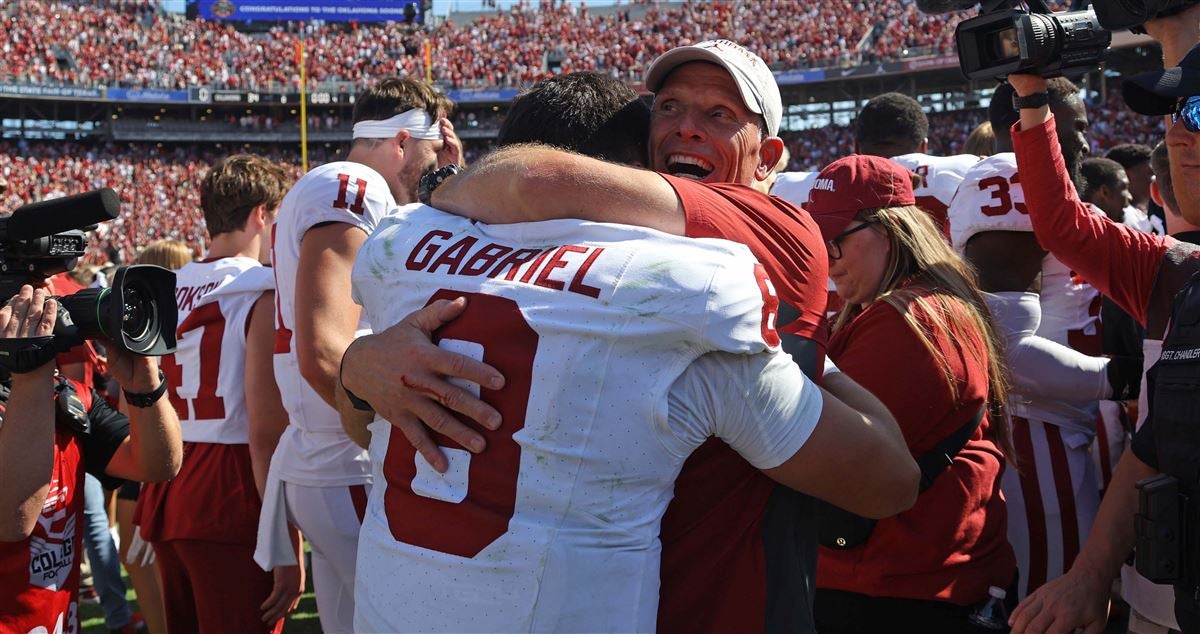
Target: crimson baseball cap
(1157,92)
(856,182)
(754,80)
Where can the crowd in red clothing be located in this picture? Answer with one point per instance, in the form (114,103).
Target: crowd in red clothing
(159,188)
(158,185)
(130,43)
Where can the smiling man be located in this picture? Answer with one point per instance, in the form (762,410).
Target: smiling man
(738,552)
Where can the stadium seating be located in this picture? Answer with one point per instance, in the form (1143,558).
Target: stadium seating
(130,44)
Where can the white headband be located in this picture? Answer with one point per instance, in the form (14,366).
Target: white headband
(418,123)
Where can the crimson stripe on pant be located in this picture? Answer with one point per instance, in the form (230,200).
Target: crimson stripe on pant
(358,497)
(1035,513)
(1066,497)
(1104,450)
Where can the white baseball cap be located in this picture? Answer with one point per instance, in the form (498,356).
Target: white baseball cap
(754,80)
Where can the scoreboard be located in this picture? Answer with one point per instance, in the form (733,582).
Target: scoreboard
(409,11)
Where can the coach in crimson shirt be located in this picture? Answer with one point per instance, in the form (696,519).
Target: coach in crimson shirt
(43,456)
(738,552)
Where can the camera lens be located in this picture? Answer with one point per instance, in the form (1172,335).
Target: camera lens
(136,315)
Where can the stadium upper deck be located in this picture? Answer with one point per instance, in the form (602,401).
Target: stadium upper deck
(131,44)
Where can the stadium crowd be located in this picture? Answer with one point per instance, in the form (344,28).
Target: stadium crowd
(148,177)
(131,44)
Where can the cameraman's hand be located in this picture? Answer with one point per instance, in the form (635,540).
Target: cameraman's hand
(135,373)
(1176,33)
(1026,85)
(30,313)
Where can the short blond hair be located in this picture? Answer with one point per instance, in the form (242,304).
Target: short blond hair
(169,254)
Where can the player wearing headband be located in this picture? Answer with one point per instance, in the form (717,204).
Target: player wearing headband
(318,476)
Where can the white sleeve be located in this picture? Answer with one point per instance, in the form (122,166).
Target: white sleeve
(1039,367)
(741,308)
(354,194)
(761,404)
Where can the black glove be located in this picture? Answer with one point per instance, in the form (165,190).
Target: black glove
(1125,377)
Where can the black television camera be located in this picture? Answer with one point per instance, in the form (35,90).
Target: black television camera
(137,312)
(1006,39)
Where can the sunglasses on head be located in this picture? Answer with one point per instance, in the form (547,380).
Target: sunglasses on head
(1188,109)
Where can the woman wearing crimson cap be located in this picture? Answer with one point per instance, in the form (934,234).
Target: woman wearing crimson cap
(916,333)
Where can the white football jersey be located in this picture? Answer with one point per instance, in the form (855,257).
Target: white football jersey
(314,450)
(990,198)
(940,178)
(554,527)
(206,374)
(794,186)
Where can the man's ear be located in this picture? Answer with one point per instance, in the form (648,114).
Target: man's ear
(259,218)
(399,140)
(769,154)
(1156,193)
(924,149)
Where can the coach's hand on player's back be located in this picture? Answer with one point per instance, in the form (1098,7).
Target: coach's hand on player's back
(405,378)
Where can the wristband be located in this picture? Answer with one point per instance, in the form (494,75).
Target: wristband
(430,182)
(1033,101)
(149,398)
(355,401)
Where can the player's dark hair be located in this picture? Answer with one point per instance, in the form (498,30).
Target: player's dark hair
(235,186)
(1002,115)
(1160,164)
(586,112)
(1130,155)
(394,95)
(891,124)
(1098,172)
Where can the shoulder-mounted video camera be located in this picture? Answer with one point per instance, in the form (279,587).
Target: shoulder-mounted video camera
(136,312)
(1027,37)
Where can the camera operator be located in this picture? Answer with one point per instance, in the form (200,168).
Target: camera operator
(1145,274)
(53,431)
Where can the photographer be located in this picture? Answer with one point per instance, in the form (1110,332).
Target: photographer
(52,431)
(1144,274)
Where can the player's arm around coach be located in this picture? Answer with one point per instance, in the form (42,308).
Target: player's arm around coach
(856,439)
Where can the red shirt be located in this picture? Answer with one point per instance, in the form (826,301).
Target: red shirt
(39,576)
(1141,272)
(212,499)
(952,544)
(714,559)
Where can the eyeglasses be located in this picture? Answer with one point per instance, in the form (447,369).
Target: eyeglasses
(1188,109)
(834,245)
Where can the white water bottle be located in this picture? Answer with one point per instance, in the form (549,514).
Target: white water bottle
(992,615)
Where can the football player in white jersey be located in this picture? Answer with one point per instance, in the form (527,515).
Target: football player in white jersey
(319,477)
(1042,310)
(893,125)
(623,349)
(203,524)
(606,408)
